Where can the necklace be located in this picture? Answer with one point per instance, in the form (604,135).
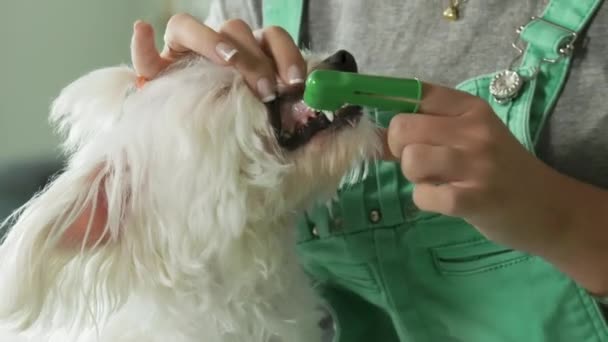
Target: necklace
(452,12)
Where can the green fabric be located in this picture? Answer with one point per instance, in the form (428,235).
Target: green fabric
(286,14)
(393,273)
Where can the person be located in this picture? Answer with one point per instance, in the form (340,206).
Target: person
(487,221)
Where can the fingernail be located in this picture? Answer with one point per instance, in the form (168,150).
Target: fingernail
(138,25)
(258,35)
(225,51)
(266,90)
(295,75)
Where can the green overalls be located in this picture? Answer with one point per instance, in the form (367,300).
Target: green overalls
(390,272)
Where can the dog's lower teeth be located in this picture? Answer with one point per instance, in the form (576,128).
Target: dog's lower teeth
(329,115)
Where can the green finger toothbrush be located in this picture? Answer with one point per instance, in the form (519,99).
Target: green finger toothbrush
(330,90)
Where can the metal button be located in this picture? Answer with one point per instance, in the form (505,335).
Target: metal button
(375,216)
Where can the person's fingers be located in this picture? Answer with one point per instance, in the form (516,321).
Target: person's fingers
(446,199)
(435,164)
(144,55)
(444,101)
(185,34)
(406,129)
(234,45)
(256,67)
(278,44)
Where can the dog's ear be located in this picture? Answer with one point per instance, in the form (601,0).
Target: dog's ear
(131,206)
(85,110)
(61,257)
(90,105)
(61,245)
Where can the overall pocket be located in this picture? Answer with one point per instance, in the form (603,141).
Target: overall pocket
(482,291)
(474,257)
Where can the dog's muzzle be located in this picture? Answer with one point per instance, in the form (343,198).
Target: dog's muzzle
(295,124)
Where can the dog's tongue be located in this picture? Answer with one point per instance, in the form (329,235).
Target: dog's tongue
(295,113)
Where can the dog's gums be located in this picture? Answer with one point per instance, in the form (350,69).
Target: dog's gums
(295,124)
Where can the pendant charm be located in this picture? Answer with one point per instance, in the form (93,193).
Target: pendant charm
(506,85)
(451,13)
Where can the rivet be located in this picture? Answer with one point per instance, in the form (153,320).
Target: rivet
(374,216)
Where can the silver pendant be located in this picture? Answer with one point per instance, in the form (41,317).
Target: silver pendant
(505,86)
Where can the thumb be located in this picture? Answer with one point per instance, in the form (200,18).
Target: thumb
(146,59)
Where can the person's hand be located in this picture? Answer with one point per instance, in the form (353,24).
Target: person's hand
(464,162)
(268,59)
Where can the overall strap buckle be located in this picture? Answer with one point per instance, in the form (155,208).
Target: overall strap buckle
(548,41)
(545,40)
(560,46)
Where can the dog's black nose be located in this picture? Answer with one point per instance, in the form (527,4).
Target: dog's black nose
(342,61)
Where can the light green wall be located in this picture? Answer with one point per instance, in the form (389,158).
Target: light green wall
(45,44)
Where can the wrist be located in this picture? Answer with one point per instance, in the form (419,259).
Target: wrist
(579,246)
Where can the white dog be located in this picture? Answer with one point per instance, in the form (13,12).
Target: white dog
(196,185)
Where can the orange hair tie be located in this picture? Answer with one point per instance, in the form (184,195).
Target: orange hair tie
(141,82)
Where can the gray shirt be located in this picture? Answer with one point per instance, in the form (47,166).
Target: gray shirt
(410,38)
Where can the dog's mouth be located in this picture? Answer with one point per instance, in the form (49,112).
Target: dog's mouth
(295,124)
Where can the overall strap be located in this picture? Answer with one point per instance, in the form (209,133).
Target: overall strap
(524,96)
(551,40)
(287,14)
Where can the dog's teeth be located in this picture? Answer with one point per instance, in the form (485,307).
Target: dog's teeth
(351,123)
(329,115)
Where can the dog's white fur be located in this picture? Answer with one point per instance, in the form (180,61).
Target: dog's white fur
(199,241)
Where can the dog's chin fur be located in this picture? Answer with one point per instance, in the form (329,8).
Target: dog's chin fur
(200,200)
